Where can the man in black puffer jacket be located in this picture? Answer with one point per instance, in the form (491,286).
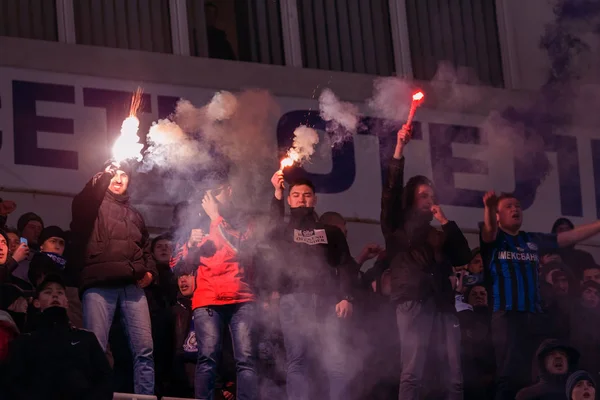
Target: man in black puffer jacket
(314,274)
(114,252)
(421,260)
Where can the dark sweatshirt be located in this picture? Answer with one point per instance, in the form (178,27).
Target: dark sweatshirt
(421,257)
(310,257)
(57,361)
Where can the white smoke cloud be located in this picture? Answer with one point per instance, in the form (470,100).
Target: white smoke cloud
(342,117)
(391,98)
(305,140)
(169,147)
(222,106)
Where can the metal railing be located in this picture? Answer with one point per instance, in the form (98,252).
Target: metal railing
(130,396)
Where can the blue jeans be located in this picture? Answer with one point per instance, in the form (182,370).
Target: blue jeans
(311,328)
(99,305)
(209,323)
(422,330)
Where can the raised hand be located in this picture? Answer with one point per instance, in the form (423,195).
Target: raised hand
(438,214)
(211,206)
(490,200)
(277,182)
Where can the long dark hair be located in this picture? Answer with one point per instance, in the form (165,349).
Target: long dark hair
(410,190)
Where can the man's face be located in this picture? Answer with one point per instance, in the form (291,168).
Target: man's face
(556,362)
(591,274)
(302,196)
(583,390)
(424,198)
(119,182)
(13,242)
(590,298)
(478,297)
(476,265)
(3,250)
(32,231)
(53,295)
(222,194)
(162,251)
(54,245)
(560,283)
(187,284)
(510,214)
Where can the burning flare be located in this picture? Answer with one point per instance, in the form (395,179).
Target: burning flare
(286,162)
(417,99)
(128,146)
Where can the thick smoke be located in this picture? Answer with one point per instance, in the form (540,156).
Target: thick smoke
(305,140)
(230,135)
(342,118)
(171,148)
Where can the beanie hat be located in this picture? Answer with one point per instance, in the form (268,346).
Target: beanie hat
(49,232)
(26,218)
(576,377)
(125,166)
(52,278)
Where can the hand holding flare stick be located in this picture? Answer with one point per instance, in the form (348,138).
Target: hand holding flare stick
(128,146)
(417,99)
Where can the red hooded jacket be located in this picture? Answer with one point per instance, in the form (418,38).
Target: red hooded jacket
(223,276)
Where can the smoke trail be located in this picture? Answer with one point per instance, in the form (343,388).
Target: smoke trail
(342,117)
(455,88)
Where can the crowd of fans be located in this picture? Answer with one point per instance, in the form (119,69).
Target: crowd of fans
(230,305)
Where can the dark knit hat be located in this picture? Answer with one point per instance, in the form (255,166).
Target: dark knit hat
(48,279)
(125,166)
(49,232)
(26,218)
(576,377)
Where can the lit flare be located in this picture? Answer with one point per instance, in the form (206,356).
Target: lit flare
(128,146)
(417,99)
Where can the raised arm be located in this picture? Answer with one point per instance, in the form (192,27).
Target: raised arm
(489,229)
(392,188)
(578,234)
(84,209)
(277,208)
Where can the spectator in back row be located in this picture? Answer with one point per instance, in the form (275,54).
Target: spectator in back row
(576,259)
(581,386)
(8,263)
(56,361)
(117,266)
(555,362)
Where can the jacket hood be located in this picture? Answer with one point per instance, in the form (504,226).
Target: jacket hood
(550,345)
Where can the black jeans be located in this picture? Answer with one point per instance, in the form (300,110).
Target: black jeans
(422,328)
(513,344)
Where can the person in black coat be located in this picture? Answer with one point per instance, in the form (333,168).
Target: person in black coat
(113,252)
(56,361)
(556,362)
(420,260)
(312,270)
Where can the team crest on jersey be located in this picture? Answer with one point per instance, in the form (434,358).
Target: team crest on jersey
(532,246)
(310,237)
